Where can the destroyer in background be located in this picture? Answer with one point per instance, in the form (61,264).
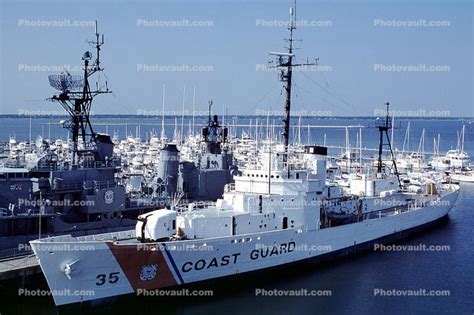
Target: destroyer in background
(85,188)
(78,195)
(204,176)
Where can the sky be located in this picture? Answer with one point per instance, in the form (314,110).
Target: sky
(369,52)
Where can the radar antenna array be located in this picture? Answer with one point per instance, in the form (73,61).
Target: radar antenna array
(65,82)
(76,96)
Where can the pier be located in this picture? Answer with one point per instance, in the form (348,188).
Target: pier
(18,267)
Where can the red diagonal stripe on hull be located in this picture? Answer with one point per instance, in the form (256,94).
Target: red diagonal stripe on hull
(132,259)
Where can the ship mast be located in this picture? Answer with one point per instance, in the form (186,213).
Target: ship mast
(383,128)
(78,102)
(285,63)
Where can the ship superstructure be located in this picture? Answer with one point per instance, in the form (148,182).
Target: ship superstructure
(78,195)
(272,215)
(204,176)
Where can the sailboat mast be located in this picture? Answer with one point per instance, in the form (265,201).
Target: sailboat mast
(182,116)
(163,134)
(194,105)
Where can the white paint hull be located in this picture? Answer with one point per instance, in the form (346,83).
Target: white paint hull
(463,178)
(122,263)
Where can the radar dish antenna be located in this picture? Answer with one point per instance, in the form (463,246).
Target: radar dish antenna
(65,82)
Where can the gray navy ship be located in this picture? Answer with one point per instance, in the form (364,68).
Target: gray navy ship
(205,177)
(46,195)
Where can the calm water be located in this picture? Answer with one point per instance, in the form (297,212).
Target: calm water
(352,281)
(143,126)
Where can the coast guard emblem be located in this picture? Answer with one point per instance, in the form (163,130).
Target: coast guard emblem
(109,197)
(148,272)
